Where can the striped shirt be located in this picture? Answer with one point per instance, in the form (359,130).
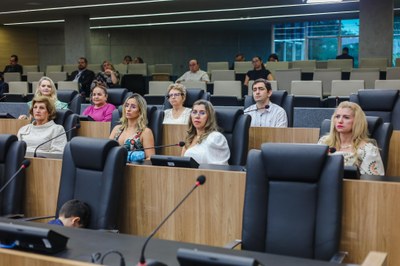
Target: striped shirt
(274,116)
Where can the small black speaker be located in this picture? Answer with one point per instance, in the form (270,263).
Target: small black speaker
(30,238)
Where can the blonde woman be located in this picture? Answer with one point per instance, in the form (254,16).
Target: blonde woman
(349,135)
(178,114)
(133,132)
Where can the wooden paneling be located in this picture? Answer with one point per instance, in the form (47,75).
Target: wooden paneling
(213,214)
(393,168)
(19,258)
(375,259)
(22,42)
(94,129)
(11,126)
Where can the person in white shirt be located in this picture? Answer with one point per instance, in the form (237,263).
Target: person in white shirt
(178,114)
(194,73)
(264,113)
(43,128)
(203,142)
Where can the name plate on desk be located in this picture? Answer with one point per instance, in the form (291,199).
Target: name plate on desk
(174,161)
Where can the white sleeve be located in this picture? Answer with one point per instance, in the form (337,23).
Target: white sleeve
(281,120)
(218,149)
(371,161)
(58,144)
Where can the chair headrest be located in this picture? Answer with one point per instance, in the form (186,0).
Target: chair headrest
(303,161)
(116,96)
(226,118)
(378,100)
(91,153)
(278,97)
(62,115)
(373,123)
(5,142)
(193,95)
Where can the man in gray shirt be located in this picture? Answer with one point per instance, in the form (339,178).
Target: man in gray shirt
(265,113)
(194,73)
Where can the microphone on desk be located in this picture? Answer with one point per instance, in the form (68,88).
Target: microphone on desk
(180,144)
(77,126)
(25,164)
(142,262)
(258,108)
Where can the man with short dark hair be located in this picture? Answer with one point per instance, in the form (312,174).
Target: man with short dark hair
(265,113)
(83,76)
(345,54)
(13,66)
(73,213)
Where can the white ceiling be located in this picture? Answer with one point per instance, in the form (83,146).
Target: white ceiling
(237,13)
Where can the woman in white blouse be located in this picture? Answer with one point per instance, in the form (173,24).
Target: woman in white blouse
(43,128)
(349,135)
(203,142)
(178,114)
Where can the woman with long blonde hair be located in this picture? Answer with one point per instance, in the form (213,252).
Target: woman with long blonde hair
(349,135)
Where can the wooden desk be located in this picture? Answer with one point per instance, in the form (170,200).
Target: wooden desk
(213,214)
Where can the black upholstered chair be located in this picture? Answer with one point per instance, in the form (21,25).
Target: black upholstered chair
(93,172)
(382,103)
(235,127)
(155,119)
(68,120)
(192,95)
(378,130)
(72,98)
(218,100)
(116,96)
(281,98)
(12,153)
(293,201)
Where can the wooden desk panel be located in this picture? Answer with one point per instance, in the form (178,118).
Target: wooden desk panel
(11,126)
(94,129)
(393,168)
(213,214)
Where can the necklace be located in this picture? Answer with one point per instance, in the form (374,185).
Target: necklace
(346,146)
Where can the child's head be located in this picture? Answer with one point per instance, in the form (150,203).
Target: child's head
(75,213)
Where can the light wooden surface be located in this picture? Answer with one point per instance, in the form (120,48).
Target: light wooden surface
(213,214)
(11,126)
(20,258)
(375,259)
(393,168)
(94,129)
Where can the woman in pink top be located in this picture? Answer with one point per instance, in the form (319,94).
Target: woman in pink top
(100,111)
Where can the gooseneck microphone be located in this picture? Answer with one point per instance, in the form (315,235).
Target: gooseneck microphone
(142,262)
(180,144)
(59,135)
(258,108)
(25,164)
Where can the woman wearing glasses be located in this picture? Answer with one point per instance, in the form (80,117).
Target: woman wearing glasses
(178,114)
(203,142)
(133,132)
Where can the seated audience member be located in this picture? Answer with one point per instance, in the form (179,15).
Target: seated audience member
(46,87)
(203,142)
(133,132)
(138,60)
(238,58)
(100,110)
(349,135)
(178,114)
(194,73)
(43,128)
(264,113)
(259,71)
(273,58)
(108,75)
(13,66)
(345,54)
(73,213)
(127,60)
(83,76)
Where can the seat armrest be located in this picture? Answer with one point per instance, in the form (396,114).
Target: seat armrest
(339,257)
(233,244)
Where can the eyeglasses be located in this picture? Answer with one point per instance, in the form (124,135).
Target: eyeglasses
(201,113)
(174,95)
(131,106)
(259,88)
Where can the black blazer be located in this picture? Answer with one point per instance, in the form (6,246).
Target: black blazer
(85,80)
